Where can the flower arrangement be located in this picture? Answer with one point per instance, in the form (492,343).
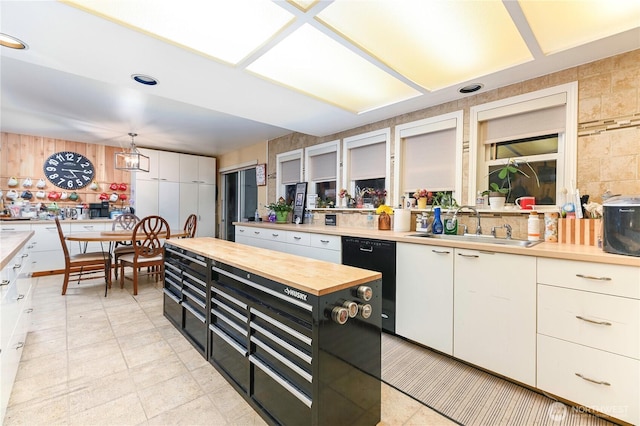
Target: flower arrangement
(280,206)
(383,208)
(421,193)
(344,194)
(594,210)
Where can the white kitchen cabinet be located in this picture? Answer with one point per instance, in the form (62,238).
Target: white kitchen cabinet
(316,246)
(589,335)
(47,252)
(80,247)
(199,199)
(15,310)
(169,203)
(424,295)
(163,165)
(495,312)
(197,169)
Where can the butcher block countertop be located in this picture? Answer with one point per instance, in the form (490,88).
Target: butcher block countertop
(10,244)
(544,249)
(309,275)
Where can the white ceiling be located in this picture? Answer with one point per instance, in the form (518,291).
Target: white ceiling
(73,83)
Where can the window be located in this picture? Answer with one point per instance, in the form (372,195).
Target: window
(536,130)
(368,161)
(322,171)
(288,173)
(429,155)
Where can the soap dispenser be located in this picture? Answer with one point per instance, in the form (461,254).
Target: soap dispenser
(437,221)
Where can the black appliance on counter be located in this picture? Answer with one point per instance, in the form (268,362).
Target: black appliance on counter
(99,210)
(379,256)
(621,223)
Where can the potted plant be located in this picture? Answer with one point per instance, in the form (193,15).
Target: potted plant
(384,220)
(281,209)
(506,175)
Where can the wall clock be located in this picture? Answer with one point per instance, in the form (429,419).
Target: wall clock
(69,170)
(261,174)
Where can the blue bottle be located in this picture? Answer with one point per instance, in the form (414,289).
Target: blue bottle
(437,221)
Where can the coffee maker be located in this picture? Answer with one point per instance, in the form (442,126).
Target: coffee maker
(99,210)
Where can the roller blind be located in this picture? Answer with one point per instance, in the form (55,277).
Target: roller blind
(290,171)
(429,161)
(368,161)
(323,167)
(524,125)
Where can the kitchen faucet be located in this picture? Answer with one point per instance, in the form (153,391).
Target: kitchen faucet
(505,226)
(473,209)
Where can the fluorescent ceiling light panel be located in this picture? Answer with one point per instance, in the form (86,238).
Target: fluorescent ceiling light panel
(226,30)
(560,25)
(311,62)
(436,43)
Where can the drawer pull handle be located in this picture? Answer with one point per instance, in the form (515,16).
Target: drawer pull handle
(590,277)
(4,282)
(19,345)
(597,382)
(468,255)
(324,241)
(241,230)
(592,321)
(256,232)
(441,251)
(274,235)
(297,238)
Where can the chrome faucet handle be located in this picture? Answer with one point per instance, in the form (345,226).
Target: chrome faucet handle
(509,229)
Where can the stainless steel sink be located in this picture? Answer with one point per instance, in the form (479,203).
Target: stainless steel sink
(473,238)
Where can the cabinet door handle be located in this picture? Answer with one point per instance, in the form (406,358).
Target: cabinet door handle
(368,250)
(468,255)
(4,282)
(17,266)
(19,345)
(591,277)
(297,238)
(326,241)
(274,235)
(240,230)
(20,297)
(597,382)
(592,321)
(256,232)
(51,227)
(441,251)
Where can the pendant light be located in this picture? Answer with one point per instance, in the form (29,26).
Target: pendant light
(132,160)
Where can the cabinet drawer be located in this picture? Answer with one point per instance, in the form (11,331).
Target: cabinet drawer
(600,321)
(299,238)
(609,382)
(616,280)
(270,234)
(243,231)
(331,242)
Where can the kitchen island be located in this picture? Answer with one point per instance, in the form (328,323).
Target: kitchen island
(298,338)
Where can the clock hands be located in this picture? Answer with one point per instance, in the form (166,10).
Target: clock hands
(73,171)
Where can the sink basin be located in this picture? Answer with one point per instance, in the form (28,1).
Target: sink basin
(472,238)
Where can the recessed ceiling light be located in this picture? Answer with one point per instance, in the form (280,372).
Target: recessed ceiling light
(12,42)
(144,79)
(471,88)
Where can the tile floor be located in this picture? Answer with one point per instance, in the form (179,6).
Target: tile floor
(91,360)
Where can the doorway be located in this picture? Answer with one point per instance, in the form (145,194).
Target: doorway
(240,200)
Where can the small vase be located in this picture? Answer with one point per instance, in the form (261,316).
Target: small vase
(422,202)
(384,222)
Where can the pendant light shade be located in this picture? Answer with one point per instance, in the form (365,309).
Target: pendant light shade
(132,160)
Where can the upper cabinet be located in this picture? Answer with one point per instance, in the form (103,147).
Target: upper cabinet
(163,165)
(197,169)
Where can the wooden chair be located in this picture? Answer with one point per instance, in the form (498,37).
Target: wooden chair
(124,222)
(190,225)
(149,250)
(84,266)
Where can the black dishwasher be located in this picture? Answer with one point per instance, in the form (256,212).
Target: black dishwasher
(379,256)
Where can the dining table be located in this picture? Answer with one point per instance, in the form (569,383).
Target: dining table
(112,237)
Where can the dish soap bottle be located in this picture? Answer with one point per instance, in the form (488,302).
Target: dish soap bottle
(450,223)
(437,222)
(533,227)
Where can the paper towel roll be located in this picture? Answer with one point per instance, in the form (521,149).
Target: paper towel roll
(401,220)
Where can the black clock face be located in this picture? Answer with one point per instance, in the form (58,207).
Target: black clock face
(69,170)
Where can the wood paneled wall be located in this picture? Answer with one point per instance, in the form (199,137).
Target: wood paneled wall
(23,156)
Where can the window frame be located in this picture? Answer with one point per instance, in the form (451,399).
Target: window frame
(296,154)
(423,127)
(364,139)
(566,165)
(320,149)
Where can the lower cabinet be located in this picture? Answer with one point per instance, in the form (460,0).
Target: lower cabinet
(495,312)
(589,335)
(424,295)
(316,246)
(15,310)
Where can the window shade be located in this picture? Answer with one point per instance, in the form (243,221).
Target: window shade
(368,161)
(428,161)
(322,167)
(290,171)
(524,125)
